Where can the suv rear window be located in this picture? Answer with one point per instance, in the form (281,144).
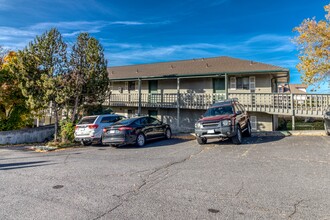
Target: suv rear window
(87,120)
(220,110)
(110,119)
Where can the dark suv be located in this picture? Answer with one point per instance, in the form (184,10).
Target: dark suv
(225,119)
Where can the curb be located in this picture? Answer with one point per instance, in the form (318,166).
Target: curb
(268,134)
(308,133)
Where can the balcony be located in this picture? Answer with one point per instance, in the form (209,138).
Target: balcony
(307,105)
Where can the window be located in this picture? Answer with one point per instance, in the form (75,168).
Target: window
(252,82)
(254,123)
(239,107)
(87,120)
(242,107)
(111,86)
(143,121)
(131,85)
(153,121)
(110,119)
(223,110)
(130,113)
(242,83)
(280,89)
(152,113)
(233,83)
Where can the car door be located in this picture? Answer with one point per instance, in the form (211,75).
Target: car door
(157,127)
(146,128)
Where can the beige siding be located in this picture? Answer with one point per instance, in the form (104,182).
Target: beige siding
(200,85)
(197,85)
(264,121)
(263,85)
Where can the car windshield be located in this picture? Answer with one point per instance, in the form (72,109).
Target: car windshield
(221,110)
(87,120)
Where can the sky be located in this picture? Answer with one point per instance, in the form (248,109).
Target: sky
(147,31)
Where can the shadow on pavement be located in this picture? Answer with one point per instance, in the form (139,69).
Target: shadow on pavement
(12,166)
(151,143)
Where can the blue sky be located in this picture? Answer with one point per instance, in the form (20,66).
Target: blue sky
(145,31)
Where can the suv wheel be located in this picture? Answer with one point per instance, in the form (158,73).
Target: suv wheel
(247,132)
(86,143)
(201,140)
(237,139)
(140,140)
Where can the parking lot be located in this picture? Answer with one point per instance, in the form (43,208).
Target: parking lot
(264,178)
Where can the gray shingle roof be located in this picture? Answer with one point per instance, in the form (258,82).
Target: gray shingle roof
(204,66)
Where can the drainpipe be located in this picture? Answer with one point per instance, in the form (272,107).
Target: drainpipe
(139,108)
(226,85)
(178,103)
(293,113)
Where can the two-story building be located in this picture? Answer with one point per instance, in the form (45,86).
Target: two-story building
(178,92)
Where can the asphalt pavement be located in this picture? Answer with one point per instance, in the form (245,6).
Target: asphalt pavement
(264,178)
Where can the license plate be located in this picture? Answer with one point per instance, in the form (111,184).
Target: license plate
(210,131)
(112,131)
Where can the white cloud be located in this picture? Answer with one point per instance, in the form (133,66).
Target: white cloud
(257,47)
(15,37)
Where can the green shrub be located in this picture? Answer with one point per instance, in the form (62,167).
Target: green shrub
(67,131)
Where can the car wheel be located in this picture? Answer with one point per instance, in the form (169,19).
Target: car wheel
(168,133)
(237,139)
(247,132)
(140,140)
(201,141)
(86,143)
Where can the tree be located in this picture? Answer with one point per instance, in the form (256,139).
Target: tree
(89,77)
(43,67)
(314,46)
(14,113)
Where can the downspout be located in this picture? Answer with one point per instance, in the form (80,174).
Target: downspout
(178,104)
(226,85)
(139,87)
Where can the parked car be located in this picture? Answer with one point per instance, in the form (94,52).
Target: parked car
(327,121)
(90,128)
(137,130)
(224,119)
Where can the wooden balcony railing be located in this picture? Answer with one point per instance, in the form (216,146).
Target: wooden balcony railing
(310,105)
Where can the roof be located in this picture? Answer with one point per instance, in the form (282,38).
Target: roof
(294,88)
(194,67)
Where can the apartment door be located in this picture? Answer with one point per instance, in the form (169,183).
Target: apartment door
(219,88)
(153,89)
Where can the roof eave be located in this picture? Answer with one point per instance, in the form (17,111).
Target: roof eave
(200,75)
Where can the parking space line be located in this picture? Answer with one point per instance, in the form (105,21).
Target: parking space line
(248,150)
